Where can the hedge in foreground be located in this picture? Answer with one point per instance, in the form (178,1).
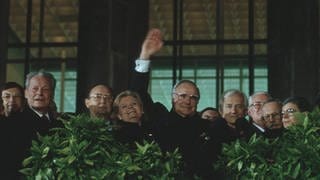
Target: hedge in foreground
(86,149)
(295,155)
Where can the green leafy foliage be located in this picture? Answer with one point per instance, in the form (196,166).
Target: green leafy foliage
(294,155)
(86,149)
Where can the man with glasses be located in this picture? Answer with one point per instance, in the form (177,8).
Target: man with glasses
(256,100)
(99,101)
(271,114)
(181,127)
(13,100)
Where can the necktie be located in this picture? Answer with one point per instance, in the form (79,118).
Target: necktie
(45,118)
(44,124)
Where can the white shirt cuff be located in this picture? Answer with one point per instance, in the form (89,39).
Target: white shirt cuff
(142,65)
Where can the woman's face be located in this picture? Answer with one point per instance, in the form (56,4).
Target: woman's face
(288,118)
(130,110)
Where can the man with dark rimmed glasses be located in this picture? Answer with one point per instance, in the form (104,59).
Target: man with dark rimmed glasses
(99,101)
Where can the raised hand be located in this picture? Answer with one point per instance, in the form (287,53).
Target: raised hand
(152,44)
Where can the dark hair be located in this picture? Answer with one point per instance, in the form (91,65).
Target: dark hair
(9,85)
(94,85)
(207,109)
(302,103)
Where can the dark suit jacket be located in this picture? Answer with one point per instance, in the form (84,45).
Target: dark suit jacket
(171,131)
(22,129)
(255,130)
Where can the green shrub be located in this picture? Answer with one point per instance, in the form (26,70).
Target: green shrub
(294,155)
(86,149)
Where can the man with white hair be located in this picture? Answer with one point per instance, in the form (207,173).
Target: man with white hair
(181,127)
(256,100)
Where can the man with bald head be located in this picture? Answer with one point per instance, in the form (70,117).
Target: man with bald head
(99,101)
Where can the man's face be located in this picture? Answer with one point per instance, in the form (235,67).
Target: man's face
(99,102)
(271,113)
(39,93)
(185,99)
(12,100)
(130,109)
(254,110)
(210,115)
(233,108)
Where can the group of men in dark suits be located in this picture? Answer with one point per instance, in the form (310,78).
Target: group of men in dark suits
(21,125)
(198,140)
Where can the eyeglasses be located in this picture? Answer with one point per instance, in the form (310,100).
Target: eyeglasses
(99,97)
(184,96)
(256,105)
(273,116)
(289,112)
(6,97)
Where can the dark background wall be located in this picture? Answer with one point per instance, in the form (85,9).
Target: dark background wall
(293,33)
(4,18)
(110,36)
(111,33)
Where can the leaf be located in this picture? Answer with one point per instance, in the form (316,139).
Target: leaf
(294,150)
(233,161)
(133,168)
(142,149)
(71,159)
(296,171)
(89,162)
(26,171)
(27,161)
(64,151)
(45,152)
(86,149)
(240,164)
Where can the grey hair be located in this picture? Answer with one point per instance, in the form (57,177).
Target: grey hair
(187,82)
(47,75)
(273,100)
(259,93)
(231,92)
